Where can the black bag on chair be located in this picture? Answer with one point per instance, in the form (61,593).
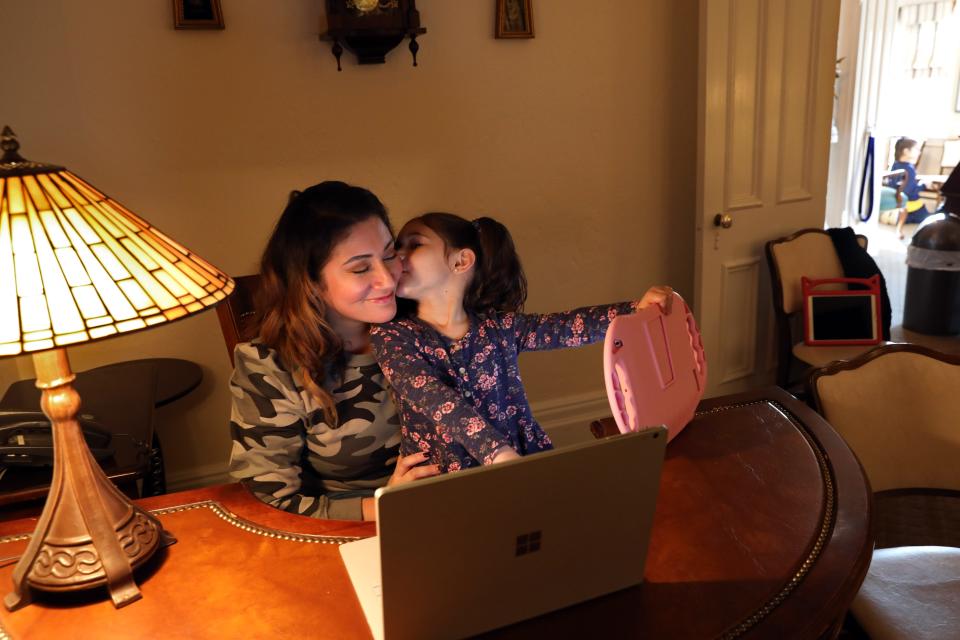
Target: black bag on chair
(857,263)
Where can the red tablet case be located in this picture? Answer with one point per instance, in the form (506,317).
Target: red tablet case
(812,287)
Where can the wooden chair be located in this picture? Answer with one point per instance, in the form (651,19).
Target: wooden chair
(937,157)
(892,200)
(930,162)
(931,157)
(951,156)
(810,253)
(897,408)
(237,313)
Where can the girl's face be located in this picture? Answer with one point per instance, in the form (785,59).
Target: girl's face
(426,266)
(360,278)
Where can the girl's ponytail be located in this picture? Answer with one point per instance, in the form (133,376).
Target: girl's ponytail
(498,282)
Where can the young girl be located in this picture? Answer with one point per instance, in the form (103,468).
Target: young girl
(453,363)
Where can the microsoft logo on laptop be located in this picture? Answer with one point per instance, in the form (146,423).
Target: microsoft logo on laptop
(528,543)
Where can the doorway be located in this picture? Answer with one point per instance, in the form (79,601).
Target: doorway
(898,76)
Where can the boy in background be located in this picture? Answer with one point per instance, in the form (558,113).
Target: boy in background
(906,152)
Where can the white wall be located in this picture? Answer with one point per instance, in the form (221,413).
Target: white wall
(581,140)
(922,106)
(876,94)
(838,179)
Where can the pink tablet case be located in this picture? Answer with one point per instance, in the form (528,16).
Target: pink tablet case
(654,368)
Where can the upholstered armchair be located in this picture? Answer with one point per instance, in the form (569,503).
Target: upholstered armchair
(898,408)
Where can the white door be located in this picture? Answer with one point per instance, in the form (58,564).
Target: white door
(766,85)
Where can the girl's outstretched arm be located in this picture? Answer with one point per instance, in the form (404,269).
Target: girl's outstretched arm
(586,325)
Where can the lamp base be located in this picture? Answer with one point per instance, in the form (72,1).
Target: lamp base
(89,534)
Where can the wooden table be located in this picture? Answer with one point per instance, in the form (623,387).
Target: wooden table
(175,378)
(933,179)
(762,530)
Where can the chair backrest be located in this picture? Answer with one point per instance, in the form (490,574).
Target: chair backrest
(891,151)
(237,313)
(951,156)
(809,253)
(931,157)
(897,407)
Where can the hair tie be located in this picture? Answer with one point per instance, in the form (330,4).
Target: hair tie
(476,224)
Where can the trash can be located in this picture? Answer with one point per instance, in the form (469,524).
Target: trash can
(932,304)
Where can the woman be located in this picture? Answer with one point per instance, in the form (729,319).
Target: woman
(314,428)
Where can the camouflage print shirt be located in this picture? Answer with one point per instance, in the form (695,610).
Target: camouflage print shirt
(287,454)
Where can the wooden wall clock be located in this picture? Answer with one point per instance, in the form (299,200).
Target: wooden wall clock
(371,28)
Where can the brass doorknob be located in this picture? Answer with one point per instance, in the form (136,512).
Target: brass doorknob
(724,220)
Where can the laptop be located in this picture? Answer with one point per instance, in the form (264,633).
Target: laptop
(467,552)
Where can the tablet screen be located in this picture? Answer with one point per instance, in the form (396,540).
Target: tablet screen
(846,317)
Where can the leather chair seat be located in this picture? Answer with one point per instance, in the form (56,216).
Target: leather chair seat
(911,592)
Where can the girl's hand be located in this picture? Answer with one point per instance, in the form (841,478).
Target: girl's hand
(661,295)
(407,469)
(505,453)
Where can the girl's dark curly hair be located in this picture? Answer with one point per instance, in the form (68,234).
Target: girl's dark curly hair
(498,283)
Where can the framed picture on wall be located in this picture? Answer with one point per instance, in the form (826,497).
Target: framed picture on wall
(197,14)
(514,19)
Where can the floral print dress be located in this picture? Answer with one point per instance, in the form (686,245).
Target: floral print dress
(462,400)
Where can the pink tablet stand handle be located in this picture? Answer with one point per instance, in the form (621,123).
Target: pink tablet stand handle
(654,368)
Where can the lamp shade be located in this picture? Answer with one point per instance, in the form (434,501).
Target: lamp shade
(76,265)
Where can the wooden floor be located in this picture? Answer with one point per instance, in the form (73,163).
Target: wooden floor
(890,253)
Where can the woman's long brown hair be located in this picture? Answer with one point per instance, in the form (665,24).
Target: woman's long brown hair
(291,312)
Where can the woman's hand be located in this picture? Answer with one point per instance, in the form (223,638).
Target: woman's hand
(405,471)
(661,295)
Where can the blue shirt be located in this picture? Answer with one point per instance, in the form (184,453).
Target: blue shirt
(911,188)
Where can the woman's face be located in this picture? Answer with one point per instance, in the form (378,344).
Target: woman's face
(360,277)
(426,265)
